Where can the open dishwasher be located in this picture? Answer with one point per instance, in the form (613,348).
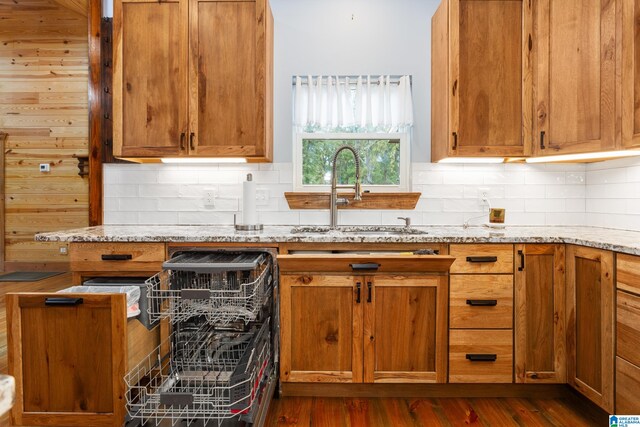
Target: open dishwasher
(217,367)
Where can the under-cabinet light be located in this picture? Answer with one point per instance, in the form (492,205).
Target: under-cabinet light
(203,160)
(599,156)
(472,160)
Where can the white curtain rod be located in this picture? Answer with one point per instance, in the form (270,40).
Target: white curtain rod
(395,79)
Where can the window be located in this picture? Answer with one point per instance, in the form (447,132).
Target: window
(382,158)
(372,115)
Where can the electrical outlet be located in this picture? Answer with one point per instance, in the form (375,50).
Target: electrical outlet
(483,195)
(45,167)
(63,250)
(209,199)
(262,197)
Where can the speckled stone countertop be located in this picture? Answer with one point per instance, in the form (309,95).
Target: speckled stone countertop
(603,238)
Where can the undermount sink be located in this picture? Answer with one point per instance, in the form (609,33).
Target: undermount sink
(372,230)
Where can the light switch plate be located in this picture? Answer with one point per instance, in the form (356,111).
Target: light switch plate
(45,167)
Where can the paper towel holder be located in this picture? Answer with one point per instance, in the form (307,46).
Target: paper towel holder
(246,227)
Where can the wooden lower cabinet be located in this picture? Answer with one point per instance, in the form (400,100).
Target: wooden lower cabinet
(69,354)
(590,324)
(481,356)
(337,327)
(540,339)
(321,328)
(405,329)
(627,334)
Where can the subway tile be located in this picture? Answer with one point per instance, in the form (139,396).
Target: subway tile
(565,218)
(205,218)
(565,191)
(607,176)
(613,206)
(545,205)
(576,177)
(117,218)
(279,218)
(462,205)
(538,177)
(178,176)
(138,205)
(121,190)
(442,218)
(159,218)
(159,190)
(525,191)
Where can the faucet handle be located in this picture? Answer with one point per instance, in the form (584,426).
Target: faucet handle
(406,219)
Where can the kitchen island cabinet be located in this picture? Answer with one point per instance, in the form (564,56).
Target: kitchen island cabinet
(69,354)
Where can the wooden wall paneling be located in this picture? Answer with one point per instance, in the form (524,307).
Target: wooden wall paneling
(95,111)
(44,110)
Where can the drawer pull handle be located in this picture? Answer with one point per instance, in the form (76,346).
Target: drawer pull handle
(358,285)
(365,266)
(482,357)
(116,257)
(176,399)
(57,301)
(521,268)
(482,302)
(369,291)
(482,258)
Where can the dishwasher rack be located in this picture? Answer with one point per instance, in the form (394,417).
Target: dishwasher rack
(222,286)
(203,374)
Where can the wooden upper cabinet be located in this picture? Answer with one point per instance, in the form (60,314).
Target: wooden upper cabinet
(540,349)
(630,74)
(575,76)
(481,87)
(590,324)
(193,78)
(149,84)
(228,78)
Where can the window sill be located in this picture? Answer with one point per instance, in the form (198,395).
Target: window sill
(401,201)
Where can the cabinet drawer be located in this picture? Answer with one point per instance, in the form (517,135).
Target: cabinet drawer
(627,386)
(628,327)
(480,356)
(628,273)
(116,256)
(482,258)
(481,301)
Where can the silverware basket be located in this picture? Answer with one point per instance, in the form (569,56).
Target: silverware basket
(202,375)
(224,287)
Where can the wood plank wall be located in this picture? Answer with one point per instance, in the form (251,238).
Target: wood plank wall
(44,111)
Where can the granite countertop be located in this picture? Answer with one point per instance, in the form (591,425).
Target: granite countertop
(602,238)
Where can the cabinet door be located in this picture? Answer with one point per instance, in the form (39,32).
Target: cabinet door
(321,328)
(405,329)
(631,73)
(490,77)
(67,358)
(575,81)
(149,82)
(540,311)
(590,323)
(228,61)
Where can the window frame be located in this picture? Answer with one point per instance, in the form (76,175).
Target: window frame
(405,160)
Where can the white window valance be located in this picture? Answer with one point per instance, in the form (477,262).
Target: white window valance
(353,103)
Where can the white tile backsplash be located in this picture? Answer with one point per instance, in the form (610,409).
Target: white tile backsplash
(602,194)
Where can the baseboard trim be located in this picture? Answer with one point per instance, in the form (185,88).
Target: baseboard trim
(534,391)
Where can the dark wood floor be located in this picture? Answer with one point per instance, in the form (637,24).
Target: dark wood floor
(292,411)
(369,412)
